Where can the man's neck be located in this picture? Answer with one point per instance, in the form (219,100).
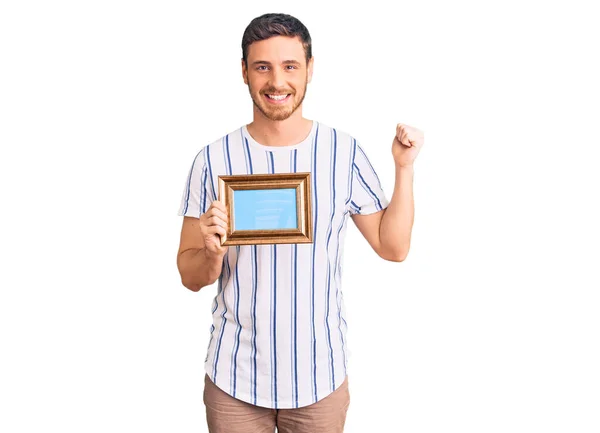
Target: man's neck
(288,132)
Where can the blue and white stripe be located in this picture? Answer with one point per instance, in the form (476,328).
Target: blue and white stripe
(278,337)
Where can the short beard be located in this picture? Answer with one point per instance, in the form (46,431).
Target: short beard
(278,115)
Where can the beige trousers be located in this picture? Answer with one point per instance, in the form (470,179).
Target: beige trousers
(225,414)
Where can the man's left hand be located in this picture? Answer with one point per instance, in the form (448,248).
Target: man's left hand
(407,143)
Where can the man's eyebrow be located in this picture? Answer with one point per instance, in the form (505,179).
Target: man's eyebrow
(285,62)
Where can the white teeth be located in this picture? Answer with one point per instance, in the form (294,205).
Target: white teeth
(277,97)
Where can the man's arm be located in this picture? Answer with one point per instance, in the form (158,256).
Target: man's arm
(389,230)
(200,255)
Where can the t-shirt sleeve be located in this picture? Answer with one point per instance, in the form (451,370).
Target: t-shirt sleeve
(198,192)
(367,195)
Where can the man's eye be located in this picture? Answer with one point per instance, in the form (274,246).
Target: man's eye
(259,68)
(292,67)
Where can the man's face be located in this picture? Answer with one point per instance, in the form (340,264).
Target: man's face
(277,75)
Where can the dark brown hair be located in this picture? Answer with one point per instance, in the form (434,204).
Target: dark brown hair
(269,25)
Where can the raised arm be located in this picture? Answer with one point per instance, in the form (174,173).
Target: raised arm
(389,230)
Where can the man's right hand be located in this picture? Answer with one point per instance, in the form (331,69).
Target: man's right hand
(213,225)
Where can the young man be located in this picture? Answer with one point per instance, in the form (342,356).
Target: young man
(277,351)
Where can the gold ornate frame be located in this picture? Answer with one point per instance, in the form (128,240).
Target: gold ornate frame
(298,181)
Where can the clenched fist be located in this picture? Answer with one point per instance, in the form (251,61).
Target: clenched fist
(213,225)
(407,144)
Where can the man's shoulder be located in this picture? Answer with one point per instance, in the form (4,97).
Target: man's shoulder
(341,136)
(229,138)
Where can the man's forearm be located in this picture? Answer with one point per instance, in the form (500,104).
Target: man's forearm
(397,221)
(199,268)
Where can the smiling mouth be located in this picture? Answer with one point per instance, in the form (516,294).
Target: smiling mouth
(277,98)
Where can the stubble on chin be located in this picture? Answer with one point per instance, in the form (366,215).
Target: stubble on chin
(278,113)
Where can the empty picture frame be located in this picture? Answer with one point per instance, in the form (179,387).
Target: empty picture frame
(267,208)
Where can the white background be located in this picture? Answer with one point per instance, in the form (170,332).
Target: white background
(492,323)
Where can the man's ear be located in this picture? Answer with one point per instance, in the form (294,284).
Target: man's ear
(244,72)
(310,69)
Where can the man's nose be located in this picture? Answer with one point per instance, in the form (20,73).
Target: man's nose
(277,78)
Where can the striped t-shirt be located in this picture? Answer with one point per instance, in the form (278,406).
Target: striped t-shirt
(278,337)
